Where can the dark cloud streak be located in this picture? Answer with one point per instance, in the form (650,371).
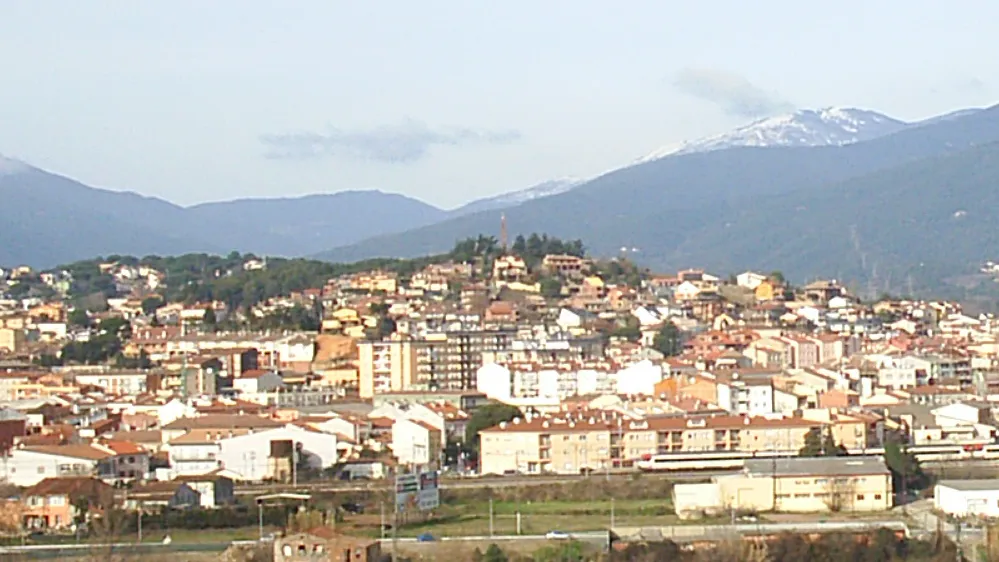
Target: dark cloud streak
(404,143)
(734,94)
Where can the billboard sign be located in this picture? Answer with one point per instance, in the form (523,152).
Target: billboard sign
(429,496)
(407,488)
(417,492)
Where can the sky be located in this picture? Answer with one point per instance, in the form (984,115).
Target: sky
(448,101)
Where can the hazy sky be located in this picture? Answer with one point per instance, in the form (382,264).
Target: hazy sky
(448,100)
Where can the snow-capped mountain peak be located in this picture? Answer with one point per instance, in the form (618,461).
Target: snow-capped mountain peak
(544,189)
(830,126)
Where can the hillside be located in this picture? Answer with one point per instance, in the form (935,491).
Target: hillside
(652,206)
(909,227)
(305,225)
(47,219)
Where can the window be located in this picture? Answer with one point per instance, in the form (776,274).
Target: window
(41,470)
(877,496)
(286,550)
(57,500)
(860,497)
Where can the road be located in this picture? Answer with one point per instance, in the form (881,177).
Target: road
(473,482)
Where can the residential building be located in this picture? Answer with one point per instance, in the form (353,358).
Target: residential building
(54,503)
(277,454)
(545,445)
(27,466)
(115,383)
(385,366)
(416,442)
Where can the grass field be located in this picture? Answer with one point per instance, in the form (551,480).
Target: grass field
(472,519)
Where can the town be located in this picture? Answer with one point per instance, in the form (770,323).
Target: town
(163,390)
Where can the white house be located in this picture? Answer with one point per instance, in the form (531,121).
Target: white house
(568,319)
(194,453)
(750,280)
(753,396)
(416,412)
(258,456)
(967,498)
(639,378)
(416,442)
(28,466)
(686,291)
(495,381)
(648,316)
(255,382)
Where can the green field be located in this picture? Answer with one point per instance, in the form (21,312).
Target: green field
(536,518)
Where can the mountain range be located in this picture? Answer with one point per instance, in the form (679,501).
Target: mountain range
(809,193)
(726,208)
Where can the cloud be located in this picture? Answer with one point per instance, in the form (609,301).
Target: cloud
(404,143)
(734,94)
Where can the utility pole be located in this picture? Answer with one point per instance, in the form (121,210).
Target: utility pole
(381,508)
(395,530)
(490,517)
(612,514)
(260,519)
(140,522)
(294,464)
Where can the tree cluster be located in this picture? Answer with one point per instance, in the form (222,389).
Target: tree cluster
(878,546)
(488,416)
(535,247)
(820,443)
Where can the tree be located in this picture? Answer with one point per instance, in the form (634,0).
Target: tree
(668,341)
(839,493)
(209,319)
(551,288)
(906,472)
(630,331)
(777,277)
(150,304)
(488,416)
(821,444)
(494,554)
(79,317)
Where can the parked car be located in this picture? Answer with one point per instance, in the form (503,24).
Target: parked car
(425,537)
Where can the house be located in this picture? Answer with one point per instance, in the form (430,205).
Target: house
(276,454)
(325,545)
(509,268)
(750,280)
(256,382)
(54,503)
(416,442)
(174,494)
(214,488)
(27,466)
(130,461)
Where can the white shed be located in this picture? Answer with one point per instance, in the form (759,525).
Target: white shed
(967,498)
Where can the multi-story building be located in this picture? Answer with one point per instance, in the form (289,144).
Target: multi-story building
(607,439)
(535,445)
(115,383)
(385,366)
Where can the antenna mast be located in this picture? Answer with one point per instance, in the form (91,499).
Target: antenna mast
(503,238)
